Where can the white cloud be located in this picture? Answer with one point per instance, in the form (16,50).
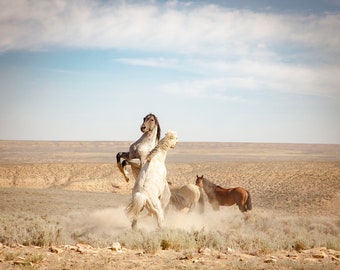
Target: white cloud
(204,29)
(245,75)
(234,48)
(149,62)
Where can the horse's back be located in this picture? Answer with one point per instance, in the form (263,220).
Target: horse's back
(190,191)
(240,190)
(229,196)
(186,196)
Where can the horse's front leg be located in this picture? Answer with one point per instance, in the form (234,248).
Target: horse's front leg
(134,223)
(122,158)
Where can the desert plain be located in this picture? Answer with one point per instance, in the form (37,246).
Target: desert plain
(62,206)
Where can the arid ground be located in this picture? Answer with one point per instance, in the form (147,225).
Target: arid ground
(62,206)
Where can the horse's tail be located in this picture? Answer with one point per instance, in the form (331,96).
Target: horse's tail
(137,204)
(248,202)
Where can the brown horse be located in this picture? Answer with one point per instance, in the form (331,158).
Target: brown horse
(225,196)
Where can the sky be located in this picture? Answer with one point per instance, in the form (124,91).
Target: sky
(224,71)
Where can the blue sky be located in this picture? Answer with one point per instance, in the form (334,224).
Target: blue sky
(233,71)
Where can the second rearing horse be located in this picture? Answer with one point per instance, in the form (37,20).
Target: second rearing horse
(139,150)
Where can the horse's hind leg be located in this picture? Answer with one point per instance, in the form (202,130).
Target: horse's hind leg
(165,198)
(160,218)
(157,209)
(245,204)
(242,208)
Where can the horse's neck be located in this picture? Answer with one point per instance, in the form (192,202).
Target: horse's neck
(142,147)
(208,187)
(150,139)
(160,155)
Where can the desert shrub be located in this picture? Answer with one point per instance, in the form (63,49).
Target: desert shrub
(256,233)
(94,239)
(28,230)
(176,239)
(265,232)
(210,239)
(140,239)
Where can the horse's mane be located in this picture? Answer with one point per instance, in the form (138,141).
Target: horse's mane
(158,126)
(209,183)
(209,186)
(162,145)
(217,187)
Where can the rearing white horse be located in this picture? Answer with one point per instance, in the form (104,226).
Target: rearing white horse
(141,148)
(151,189)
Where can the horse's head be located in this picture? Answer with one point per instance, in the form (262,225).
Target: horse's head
(199,181)
(171,138)
(150,122)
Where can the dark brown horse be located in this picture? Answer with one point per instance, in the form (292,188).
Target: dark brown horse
(219,196)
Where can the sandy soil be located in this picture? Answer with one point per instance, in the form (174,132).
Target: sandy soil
(56,179)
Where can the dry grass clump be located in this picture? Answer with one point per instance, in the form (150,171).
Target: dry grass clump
(260,233)
(175,239)
(264,233)
(26,229)
(255,233)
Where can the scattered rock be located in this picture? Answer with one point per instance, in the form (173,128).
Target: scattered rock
(244,257)
(68,247)
(83,245)
(293,256)
(206,251)
(230,250)
(85,248)
(270,260)
(116,247)
(334,258)
(319,255)
(185,258)
(140,253)
(335,253)
(54,249)
(222,256)
(22,263)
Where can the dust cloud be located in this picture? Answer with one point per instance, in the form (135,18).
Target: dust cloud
(272,229)
(114,221)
